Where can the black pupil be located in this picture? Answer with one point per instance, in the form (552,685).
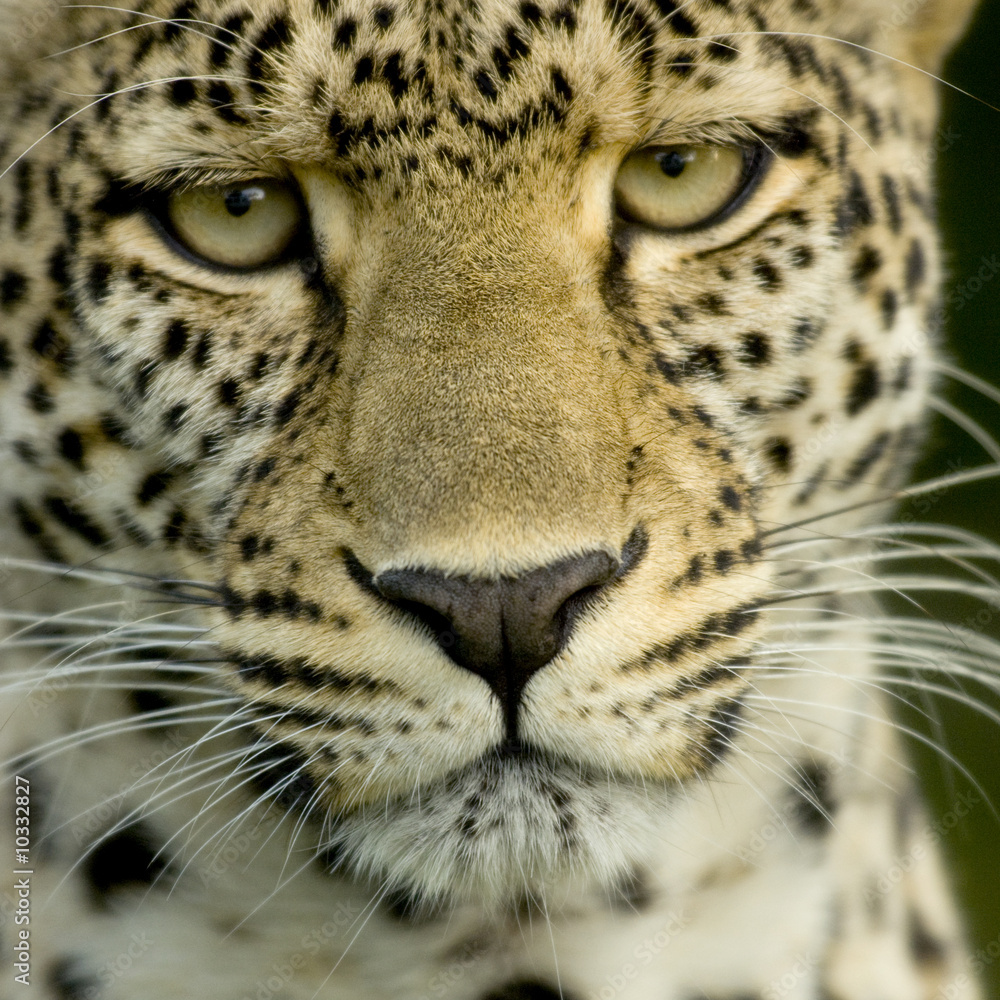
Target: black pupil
(672,162)
(239,201)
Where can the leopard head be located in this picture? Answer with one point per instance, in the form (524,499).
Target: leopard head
(476,358)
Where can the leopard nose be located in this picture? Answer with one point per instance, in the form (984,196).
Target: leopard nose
(506,629)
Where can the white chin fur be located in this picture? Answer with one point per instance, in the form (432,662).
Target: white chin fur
(502,831)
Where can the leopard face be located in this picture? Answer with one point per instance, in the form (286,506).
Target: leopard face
(386,327)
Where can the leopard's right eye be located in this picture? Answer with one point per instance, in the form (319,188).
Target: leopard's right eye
(674,189)
(241,226)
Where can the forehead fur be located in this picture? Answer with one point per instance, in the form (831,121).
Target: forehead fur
(374,86)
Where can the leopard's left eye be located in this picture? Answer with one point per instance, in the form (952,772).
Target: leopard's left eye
(676,188)
(240,226)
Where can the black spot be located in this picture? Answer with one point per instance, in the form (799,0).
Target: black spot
(174,417)
(801,256)
(630,20)
(124,859)
(890,195)
(779,451)
(280,773)
(146,701)
(904,376)
(813,804)
(811,485)
(223,101)
(286,409)
(864,388)
(706,358)
(722,50)
(531,12)
(264,468)
(153,486)
(792,138)
(889,306)
(75,520)
(755,349)
(724,560)
(392,73)
(258,367)
(562,88)
(59,266)
(98,280)
(565,18)
(68,979)
(265,603)
(804,332)
(25,204)
(202,351)
(71,447)
(679,22)
(47,342)
(13,288)
(182,12)
(667,369)
(916,266)
(714,305)
(867,262)
(703,416)
(405,905)
(32,528)
(925,948)
(868,457)
(175,340)
(112,428)
(275,36)
(225,38)
(526,989)
(363,70)
(249,547)
(796,394)
(485,85)
(722,726)
(182,92)
(855,209)
(229,392)
(632,893)
(731,498)
(343,35)
(383,16)
(265,669)
(767,274)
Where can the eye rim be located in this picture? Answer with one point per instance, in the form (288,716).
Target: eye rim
(757,160)
(156,206)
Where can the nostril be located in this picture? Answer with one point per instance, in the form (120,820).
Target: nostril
(463,627)
(464,615)
(541,607)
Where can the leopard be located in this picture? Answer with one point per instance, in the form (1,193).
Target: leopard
(450,450)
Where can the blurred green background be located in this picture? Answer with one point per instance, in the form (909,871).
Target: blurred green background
(969,173)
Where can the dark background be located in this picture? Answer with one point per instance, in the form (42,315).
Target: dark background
(969,174)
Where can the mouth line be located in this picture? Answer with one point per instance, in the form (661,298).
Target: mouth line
(513,748)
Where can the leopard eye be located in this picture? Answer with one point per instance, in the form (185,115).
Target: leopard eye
(246,225)
(677,188)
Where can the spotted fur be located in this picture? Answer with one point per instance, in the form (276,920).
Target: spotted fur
(260,765)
